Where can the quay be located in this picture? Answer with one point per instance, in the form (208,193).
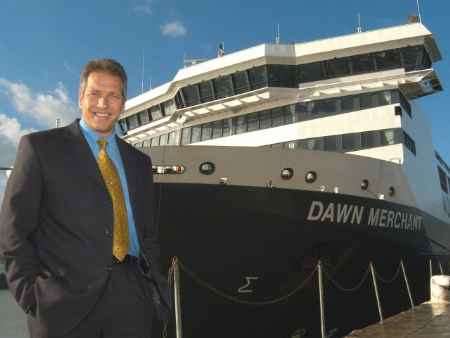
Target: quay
(428,320)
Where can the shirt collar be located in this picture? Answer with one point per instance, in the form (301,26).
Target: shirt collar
(93,136)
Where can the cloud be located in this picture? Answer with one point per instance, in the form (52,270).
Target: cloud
(144,7)
(174,29)
(10,132)
(43,107)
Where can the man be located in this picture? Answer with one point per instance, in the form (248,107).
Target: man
(77,223)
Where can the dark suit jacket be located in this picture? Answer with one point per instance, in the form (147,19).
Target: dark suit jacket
(56,227)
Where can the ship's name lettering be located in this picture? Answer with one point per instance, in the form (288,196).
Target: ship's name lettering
(344,213)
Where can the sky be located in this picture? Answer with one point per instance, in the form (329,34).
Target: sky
(44,45)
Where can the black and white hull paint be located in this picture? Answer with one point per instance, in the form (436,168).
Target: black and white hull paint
(258,243)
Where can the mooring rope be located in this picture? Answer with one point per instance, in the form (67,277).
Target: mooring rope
(234,299)
(338,286)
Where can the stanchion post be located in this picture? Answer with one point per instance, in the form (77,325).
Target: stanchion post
(177,299)
(440,267)
(321,300)
(430,264)
(375,287)
(407,285)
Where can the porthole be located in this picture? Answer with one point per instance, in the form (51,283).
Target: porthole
(287,173)
(364,184)
(207,168)
(310,177)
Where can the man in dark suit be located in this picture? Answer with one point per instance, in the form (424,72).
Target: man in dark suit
(77,225)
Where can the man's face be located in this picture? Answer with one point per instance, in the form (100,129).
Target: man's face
(101,102)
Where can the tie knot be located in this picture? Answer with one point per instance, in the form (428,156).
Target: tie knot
(102,143)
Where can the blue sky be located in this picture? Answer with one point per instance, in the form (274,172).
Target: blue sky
(44,44)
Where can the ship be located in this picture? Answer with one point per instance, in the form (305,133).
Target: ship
(271,159)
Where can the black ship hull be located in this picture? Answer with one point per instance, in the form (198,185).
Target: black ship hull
(246,250)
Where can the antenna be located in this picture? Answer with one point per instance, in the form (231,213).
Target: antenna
(221,49)
(418,11)
(359,28)
(143,70)
(277,36)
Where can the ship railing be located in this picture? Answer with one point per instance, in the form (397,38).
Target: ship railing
(322,275)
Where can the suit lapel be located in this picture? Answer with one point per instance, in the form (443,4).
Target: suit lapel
(132,175)
(82,151)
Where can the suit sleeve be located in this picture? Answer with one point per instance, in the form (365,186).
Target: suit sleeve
(19,217)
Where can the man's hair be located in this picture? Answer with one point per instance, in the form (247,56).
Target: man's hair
(109,66)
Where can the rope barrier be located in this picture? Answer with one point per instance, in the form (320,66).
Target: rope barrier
(389,281)
(344,289)
(241,301)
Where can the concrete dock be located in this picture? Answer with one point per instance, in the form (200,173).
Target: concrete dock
(428,320)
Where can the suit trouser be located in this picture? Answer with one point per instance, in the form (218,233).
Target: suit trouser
(124,310)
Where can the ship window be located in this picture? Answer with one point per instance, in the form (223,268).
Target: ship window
(415,58)
(362,64)
(409,143)
(191,95)
(217,127)
(206,91)
(288,114)
(240,82)
(155,141)
(133,121)
(443,180)
(239,125)
(301,110)
(348,103)
(223,86)
(388,59)
(338,67)
(277,117)
(311,72)
(349,142)
(172,138)
(206,131)
(147,143)
(366,101)
(315,144)
(370,139)
(252,121)
(330,143)
(387,137)
(123,125)
(155,112)
(226,127)
(186,136)
(163,139)
(143,117)
(384,98)
(196,133)
(265,121)
(169,107)
(281,76)
(325,106)
(179,101)
(258,77)
(405,104)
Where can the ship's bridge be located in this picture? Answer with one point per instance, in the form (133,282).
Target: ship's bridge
(396,57)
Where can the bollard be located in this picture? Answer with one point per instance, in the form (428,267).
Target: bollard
(407,285)
(321,300)
(375,287)
(177,299)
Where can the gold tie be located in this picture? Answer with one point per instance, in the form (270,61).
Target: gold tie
(112,181)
